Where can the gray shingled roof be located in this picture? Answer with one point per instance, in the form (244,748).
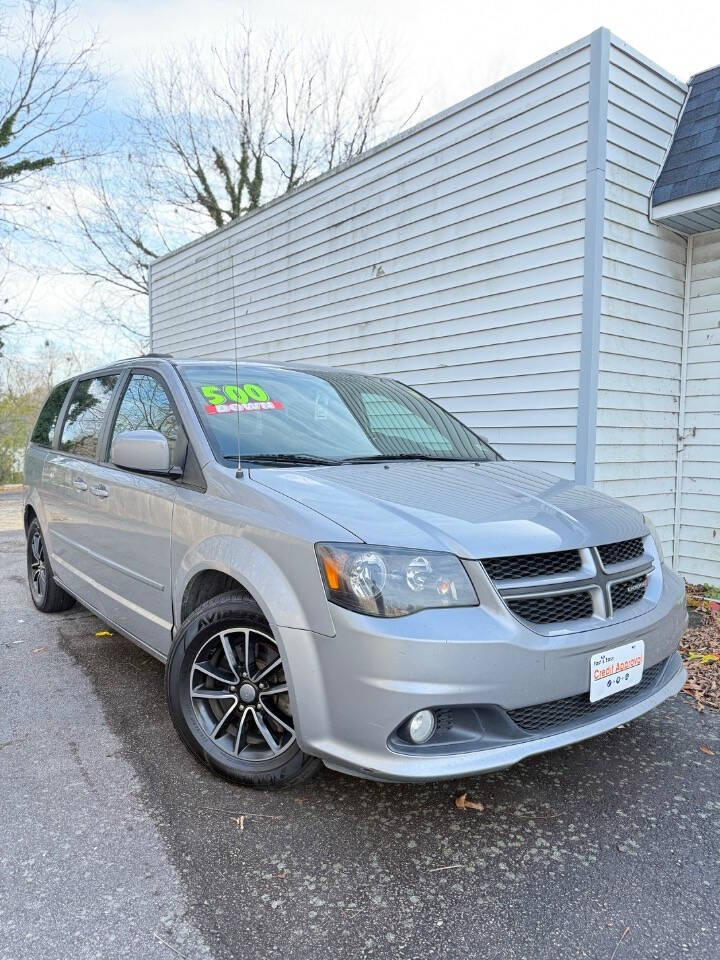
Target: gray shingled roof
(693,162)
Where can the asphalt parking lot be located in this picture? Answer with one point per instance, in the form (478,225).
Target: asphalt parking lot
(115,843)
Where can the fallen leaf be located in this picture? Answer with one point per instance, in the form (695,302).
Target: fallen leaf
(39,649)
(700,648)
(703,658)
(103,633)
(462,803)
(706,750)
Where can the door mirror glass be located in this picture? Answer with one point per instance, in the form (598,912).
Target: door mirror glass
(145,451)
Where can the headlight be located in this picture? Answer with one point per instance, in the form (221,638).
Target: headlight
(392,582)
(654,534)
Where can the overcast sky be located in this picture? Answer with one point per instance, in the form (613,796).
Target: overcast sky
(450,48)
(447,50)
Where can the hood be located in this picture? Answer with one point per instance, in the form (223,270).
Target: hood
(472,510)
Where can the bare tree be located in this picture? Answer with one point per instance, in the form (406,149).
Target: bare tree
(210,120)
(45,94)
(218,130)
(12,306)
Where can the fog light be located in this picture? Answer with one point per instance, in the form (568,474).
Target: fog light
(422,726)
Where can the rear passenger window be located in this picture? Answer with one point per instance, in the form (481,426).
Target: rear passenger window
(44,431)
(146,406)
(84,419)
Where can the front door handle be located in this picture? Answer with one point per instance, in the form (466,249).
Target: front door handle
(100,491)
(79,483)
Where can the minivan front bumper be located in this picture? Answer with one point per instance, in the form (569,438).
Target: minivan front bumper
(350,693)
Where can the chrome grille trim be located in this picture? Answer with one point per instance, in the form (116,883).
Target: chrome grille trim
(602,585)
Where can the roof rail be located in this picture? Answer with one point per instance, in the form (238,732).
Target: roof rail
(147,356)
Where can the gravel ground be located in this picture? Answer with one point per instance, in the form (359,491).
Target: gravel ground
(10,513)
(115,843)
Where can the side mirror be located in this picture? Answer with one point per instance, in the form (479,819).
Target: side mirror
(146,451)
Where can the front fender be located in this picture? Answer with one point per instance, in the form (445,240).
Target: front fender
(257,567)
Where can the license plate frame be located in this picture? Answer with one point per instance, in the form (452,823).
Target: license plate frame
(617,669)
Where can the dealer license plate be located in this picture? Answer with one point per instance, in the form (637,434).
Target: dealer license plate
(614,670)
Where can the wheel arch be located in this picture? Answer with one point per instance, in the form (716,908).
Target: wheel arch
(29,514)
(223,563)
(206,584)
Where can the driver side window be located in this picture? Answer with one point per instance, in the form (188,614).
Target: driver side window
(146,406)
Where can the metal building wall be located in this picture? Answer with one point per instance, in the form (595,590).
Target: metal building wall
(698,514)
(643,283)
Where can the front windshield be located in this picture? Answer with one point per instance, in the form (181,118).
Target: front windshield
(327,416)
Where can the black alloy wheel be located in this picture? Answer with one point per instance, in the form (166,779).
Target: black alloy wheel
(228,695)
(240,695)
(47,595)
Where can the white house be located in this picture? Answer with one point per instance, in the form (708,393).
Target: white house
(509,258)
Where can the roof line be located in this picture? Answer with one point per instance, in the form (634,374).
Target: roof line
(696,76)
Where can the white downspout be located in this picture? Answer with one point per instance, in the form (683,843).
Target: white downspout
(681,410)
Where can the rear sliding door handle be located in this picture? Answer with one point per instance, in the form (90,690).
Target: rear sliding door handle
(79,483)
(100,491)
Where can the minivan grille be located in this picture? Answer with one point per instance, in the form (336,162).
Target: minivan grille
(622,552)
(627,592)
(532,565)
(571,711)
(555,609)
(566,585)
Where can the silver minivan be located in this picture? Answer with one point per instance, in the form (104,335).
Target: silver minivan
(336,570)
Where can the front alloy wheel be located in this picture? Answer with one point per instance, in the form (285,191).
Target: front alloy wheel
(240,696)
(228,695)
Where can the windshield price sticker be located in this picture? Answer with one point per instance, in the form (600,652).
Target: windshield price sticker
(248,398)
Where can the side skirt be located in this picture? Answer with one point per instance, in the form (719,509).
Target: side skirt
(101,616)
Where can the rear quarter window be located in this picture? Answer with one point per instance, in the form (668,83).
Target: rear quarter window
(86,414)
(44,430)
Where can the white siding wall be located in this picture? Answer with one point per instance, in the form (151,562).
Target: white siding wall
(700,505)
(451,257)
(642,297)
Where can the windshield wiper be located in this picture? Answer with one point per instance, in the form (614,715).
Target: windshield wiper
(292,458)
(406,456)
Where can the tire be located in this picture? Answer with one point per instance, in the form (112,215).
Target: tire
(46,594)
(233,717)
